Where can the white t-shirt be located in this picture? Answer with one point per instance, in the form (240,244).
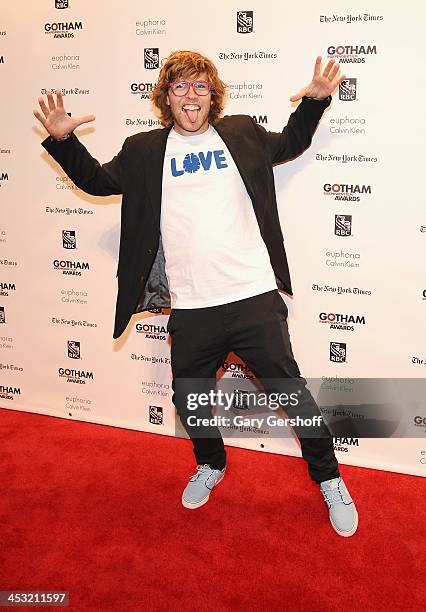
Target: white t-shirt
(214,252)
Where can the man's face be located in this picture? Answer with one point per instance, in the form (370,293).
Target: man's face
(191,111)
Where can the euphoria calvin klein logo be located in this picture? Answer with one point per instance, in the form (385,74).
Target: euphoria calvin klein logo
(244,22)
(156,415)
(2,315)
(151,58)
(192,162)
(68,239)
(347,90)
(73,349)
(342,225)
(61,4)
(338,352)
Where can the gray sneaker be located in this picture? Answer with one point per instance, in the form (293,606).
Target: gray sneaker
(342,511)
(197,491)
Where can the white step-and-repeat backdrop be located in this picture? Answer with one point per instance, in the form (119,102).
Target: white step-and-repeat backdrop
(352,207)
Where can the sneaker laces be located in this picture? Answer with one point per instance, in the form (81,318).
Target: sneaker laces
(201,469)
(333,495)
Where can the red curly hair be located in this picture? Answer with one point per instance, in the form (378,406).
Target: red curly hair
(187,65)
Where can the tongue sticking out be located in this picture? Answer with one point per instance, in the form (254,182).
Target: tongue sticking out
(192,114)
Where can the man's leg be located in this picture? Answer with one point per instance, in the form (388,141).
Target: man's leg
(262,340)
(198,349)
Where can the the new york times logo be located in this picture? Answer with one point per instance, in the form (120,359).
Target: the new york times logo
(73,349)
(347,90)
(338,352)
(61,4)
(2,315)
(68,239)
(244,22)
(151,58)
(156,415)
(342,225)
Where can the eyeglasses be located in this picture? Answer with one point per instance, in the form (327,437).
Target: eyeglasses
(181,88)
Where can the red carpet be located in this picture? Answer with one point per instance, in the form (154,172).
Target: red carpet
(96,511)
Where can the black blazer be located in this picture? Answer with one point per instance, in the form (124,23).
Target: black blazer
(136,172)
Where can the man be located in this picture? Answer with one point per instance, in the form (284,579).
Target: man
(200,232)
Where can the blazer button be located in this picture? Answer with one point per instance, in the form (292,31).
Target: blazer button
(149,251)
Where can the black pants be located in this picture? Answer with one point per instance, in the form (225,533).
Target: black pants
(256,330)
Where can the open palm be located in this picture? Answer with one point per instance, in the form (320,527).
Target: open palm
(322,85)
(55,119)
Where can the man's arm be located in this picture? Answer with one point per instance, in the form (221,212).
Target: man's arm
(62,144)
(84,170)
(297,135)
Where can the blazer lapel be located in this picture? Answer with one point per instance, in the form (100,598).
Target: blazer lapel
(154,162)
(235,144)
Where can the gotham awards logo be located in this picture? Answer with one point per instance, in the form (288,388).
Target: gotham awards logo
(342,225)
(244,22)
(156,415)
(69,239)
(338,352)
(347,90)
(73,349)
(152,58)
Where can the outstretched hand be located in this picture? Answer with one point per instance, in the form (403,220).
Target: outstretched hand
(322,85)
(56,120)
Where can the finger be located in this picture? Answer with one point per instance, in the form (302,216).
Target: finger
(334,72)
(328,68)
(40,117)
(59,99)
(43,107)
(50,100)
(341,79)
(85,119)
(317,69)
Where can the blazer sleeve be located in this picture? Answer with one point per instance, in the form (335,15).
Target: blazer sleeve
(84,170)
(296,137)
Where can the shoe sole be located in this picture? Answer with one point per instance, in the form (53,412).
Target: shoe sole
(347,534)
(194,505)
